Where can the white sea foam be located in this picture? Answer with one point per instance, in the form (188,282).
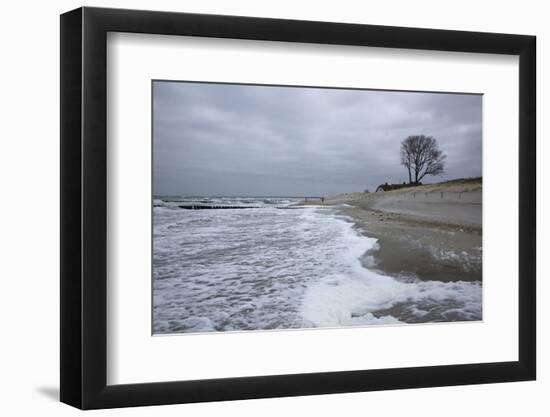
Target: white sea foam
(267,268)
(355,294)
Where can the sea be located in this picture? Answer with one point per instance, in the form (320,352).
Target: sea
(266,263)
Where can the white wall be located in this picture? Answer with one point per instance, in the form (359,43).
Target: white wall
(29,225)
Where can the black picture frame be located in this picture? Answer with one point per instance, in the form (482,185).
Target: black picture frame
(84,207)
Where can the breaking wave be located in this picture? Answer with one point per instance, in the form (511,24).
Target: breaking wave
(267,268)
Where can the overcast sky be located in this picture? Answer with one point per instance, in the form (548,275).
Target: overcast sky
(230,140)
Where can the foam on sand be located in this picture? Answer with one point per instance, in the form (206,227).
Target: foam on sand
(266,268)
(363,297)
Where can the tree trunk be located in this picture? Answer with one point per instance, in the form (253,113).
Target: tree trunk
(410,179)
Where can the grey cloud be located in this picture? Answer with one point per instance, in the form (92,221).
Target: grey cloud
(223,139)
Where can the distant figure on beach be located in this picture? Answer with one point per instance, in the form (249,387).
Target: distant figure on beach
(323,200)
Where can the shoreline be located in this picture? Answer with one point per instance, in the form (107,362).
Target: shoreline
(430,236)
(267,269)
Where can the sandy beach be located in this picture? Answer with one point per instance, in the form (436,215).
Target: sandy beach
(432,232)
(356,259)
(251,230)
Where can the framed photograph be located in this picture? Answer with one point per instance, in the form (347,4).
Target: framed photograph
(257,207)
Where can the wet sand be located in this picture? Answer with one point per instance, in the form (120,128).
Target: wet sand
(428,232)
(426,250)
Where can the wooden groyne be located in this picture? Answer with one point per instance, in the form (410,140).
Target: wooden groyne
(205,205)
(227,207)
(213,207)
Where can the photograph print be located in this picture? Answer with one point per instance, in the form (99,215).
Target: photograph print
(286,207)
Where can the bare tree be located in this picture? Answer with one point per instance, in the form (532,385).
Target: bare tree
(406,157)
(421,156)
